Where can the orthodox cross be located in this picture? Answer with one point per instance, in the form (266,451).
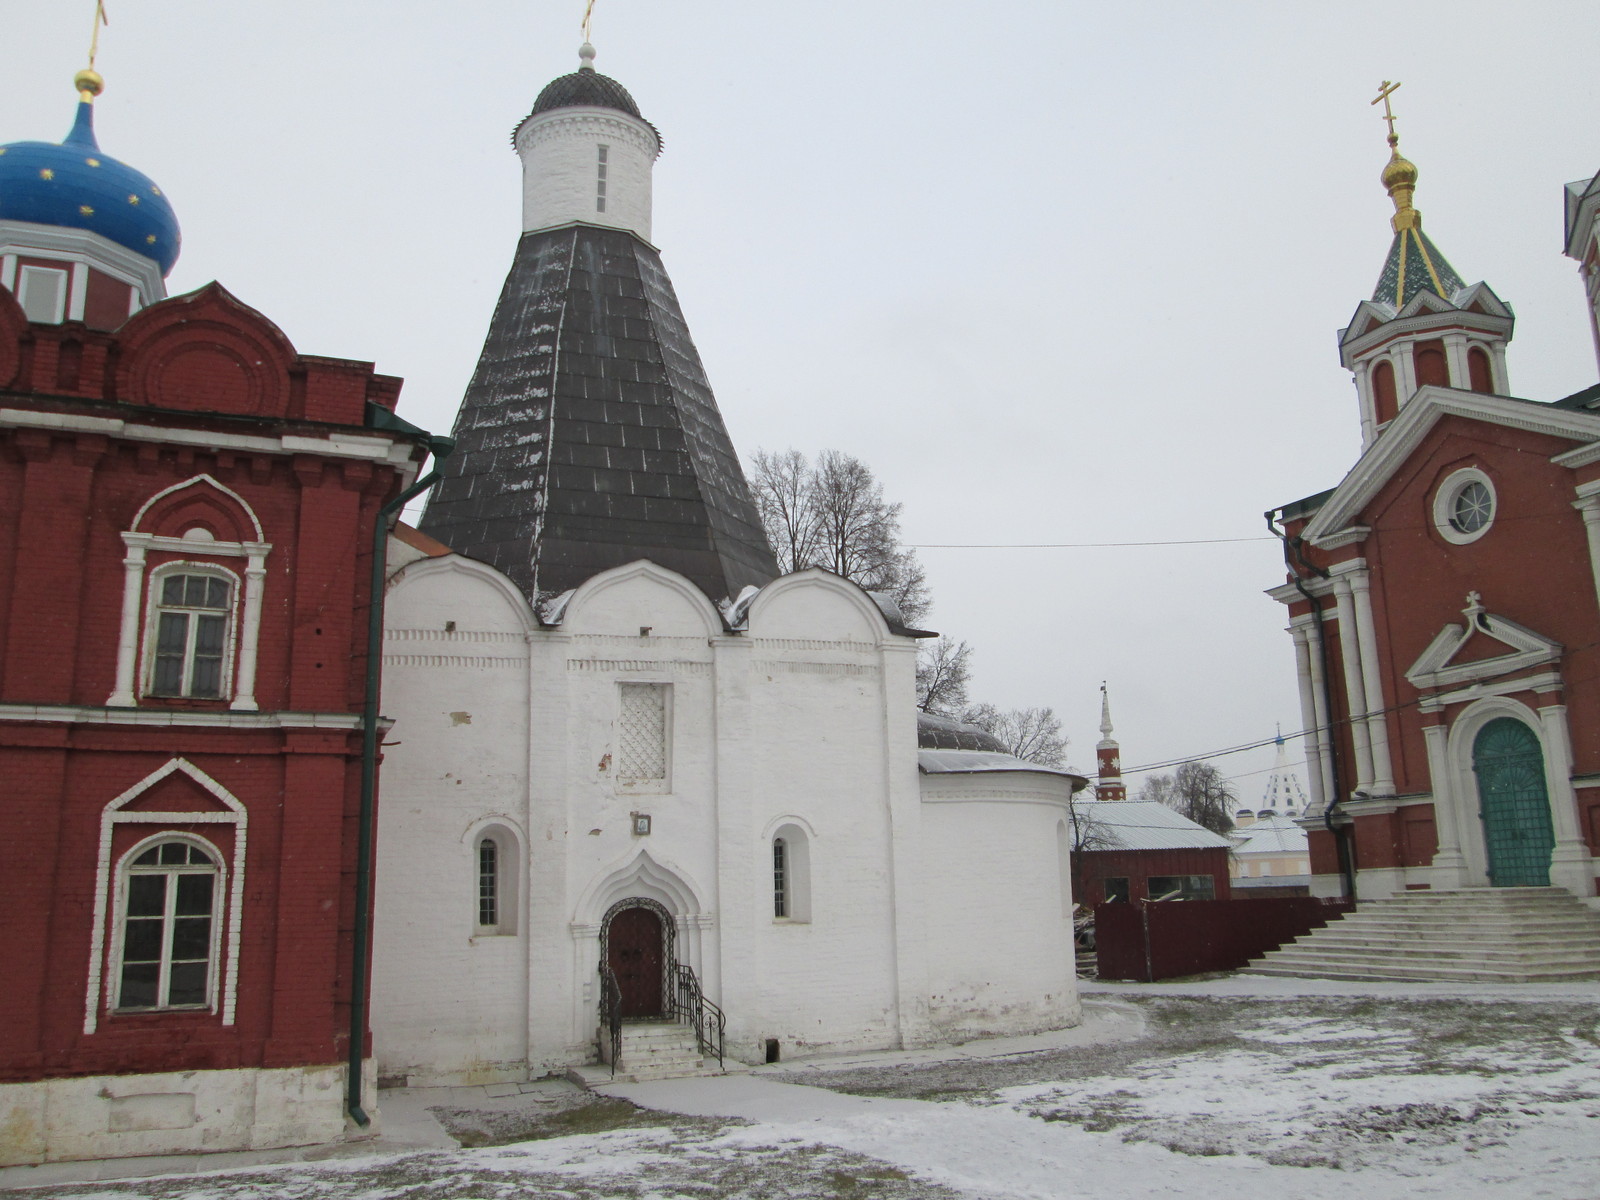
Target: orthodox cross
(588,15)
(1384,90)
(99,20)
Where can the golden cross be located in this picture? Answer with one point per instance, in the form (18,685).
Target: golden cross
(1384,89)
(588,15)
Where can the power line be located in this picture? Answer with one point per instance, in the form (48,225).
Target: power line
(1077,545)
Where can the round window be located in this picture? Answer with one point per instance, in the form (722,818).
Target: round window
(1464,506)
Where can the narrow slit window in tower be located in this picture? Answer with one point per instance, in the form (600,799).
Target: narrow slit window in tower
(600,181)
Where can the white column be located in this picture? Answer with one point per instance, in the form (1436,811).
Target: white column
(1455,354)
(1449,864)
(1571,866)
(1372,685)
(255,574)
(8,272)
(78,298)
(1502,381)
(1308,716)
(1355,692)
(1405,373)
(128,641)
(1366,403)
(1319,701)
(1589,506)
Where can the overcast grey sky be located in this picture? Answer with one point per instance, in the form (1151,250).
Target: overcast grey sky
(1059,272)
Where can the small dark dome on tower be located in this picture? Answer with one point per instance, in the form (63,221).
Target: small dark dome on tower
(586,88)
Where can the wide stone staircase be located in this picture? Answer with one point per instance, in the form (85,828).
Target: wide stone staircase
(663,1049)
(1499,935)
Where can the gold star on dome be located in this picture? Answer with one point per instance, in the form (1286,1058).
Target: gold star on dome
(133,199)
(154,190)
(93,162)
(151,238)
(46,173)
(2,149)
(86,210)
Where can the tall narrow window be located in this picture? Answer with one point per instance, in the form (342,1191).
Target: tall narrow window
(42,292)
(1430,364)
(191,635)
(1384,403)
(167,929)
(488,883)
(600,180)
(1479,377)
(780,880)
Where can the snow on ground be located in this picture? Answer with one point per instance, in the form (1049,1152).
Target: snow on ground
(1237,1089)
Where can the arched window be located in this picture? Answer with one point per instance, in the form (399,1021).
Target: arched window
(495,858)
(168,931)
(1384,403)
(190,645)
(1431,365)
(1479,377)
(791,874)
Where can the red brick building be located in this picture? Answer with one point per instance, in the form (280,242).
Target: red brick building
(187,518)
(1443,597)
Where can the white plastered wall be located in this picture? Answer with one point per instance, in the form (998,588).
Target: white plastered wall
(560,169)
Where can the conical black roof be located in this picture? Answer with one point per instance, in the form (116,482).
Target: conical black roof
(589,436)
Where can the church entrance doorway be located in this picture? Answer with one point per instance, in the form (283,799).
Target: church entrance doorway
(1513,804)
(637,949)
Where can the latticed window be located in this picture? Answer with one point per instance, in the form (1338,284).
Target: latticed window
(488,882)
(780,879)
(642,733)
(168,909)
(191,635)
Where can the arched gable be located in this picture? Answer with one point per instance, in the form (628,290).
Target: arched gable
(205,352)
(637,596)
(431,592)
(639,874)
(200,503)
(816,604)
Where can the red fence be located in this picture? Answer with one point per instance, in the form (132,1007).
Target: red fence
(1145,942)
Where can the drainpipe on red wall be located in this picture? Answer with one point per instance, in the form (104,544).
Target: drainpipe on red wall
(1295,561)
(440,448)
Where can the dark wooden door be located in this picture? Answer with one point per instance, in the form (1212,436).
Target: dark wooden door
(634,948)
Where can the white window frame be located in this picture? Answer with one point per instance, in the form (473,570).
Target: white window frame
(126,869)
(797,838)
(25,272)
(508,878)
(155,609)
(227,916)
(195,545)
(1449,492)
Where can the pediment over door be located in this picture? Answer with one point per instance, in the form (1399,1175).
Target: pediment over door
(1487,646)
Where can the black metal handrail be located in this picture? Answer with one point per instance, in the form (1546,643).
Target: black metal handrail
(611,1012)
(690,1005)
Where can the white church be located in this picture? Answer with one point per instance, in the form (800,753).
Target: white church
(645,801)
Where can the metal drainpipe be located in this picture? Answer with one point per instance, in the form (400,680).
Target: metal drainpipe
(1340,842)
(440,448)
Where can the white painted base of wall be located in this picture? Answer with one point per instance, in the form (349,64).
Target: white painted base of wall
(178,1112)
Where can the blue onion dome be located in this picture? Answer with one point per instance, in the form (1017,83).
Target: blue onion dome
(76,186)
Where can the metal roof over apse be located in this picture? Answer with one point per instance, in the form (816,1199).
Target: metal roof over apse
(589,437)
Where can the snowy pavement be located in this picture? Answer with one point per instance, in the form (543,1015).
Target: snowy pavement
(1238,1088)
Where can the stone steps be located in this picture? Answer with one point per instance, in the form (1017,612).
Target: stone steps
(650,1050)
(1505,935)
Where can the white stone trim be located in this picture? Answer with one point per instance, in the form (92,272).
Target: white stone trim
(1546,681)
(335,445)
(196,481)
(110,817)
(1372,684)
(1528,649)
(1354,687)
(1444,503)
(81,246)
(79,714)
(1349,535)
(8,272)
(1407,431)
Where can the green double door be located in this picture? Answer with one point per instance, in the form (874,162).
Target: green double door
(1513,803)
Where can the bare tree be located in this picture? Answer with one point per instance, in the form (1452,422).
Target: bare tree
(833,515)
(1088,832)
(943,668)
(1198,791)
(1031,734)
